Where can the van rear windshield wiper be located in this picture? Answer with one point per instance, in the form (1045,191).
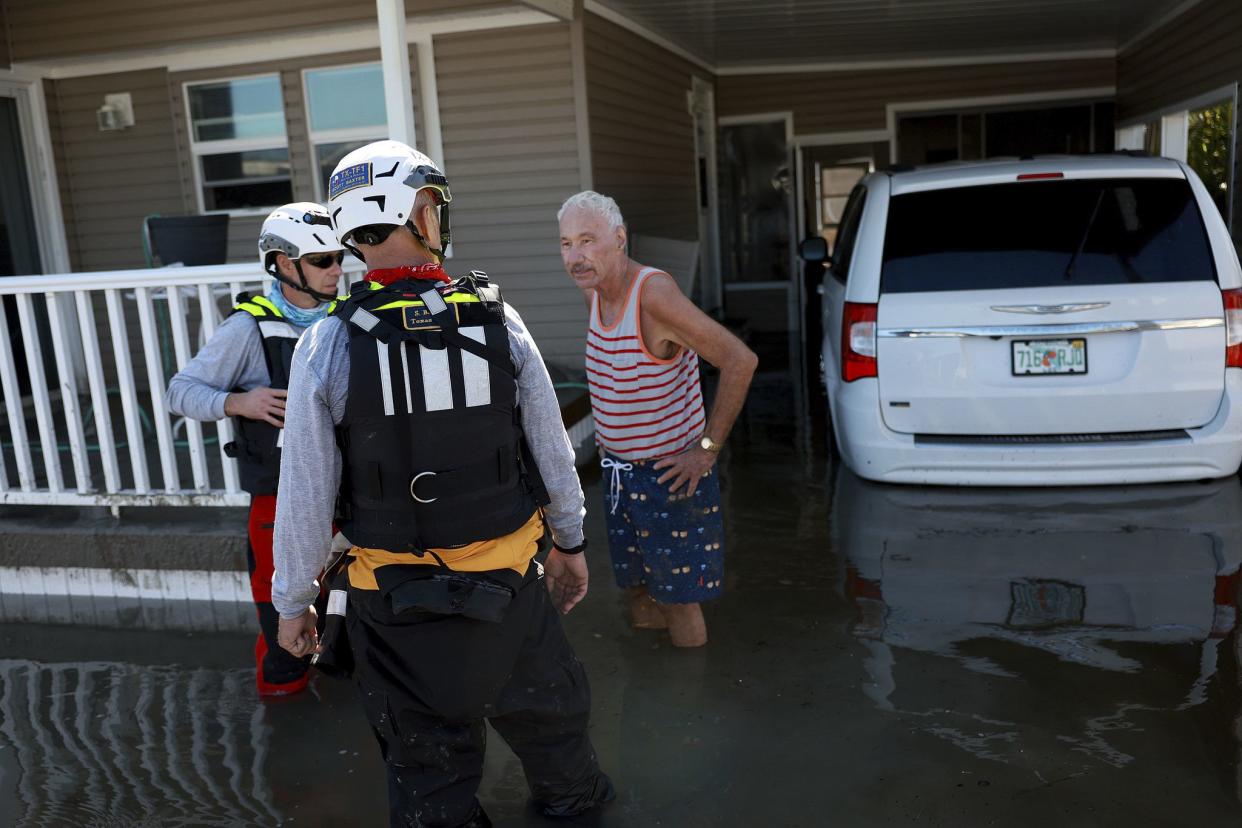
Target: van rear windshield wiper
(1086,233)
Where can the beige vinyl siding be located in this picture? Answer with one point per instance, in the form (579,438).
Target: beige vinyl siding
(847,101)
(1197,53)
(5,49)
(110,181)
(642,134)
(42,29)
(244,229)
(511,156)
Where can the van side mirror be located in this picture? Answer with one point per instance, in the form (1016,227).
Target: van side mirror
(813,249)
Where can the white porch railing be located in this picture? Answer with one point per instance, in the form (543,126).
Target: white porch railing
(88,320)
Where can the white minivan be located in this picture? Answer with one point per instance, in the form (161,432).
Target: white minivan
(1052,321)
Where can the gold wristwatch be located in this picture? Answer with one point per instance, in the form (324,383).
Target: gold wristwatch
(708,444)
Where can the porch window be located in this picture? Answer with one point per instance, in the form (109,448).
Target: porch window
(237,137)
(344,110)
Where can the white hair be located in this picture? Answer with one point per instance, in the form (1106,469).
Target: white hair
(597,203)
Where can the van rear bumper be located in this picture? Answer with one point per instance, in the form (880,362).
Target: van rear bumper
(875,452)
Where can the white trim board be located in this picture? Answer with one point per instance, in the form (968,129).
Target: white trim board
(429,103)
(913,63)
(834,139)
(759,118)
(273,46)
(171,599)
(1227,91)
(219,586)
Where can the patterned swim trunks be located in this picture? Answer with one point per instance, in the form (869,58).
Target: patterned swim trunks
(672,544)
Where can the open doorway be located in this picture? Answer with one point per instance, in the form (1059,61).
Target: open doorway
(829,173)
(19,246)
(757,208)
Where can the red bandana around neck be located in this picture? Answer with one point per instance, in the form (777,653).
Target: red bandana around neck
(387,275)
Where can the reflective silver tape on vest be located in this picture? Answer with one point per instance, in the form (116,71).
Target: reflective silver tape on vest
(475,370)
(405,371)
(274,327)
(437,387)
(337,599)
(381,352)
(364,319)
(434,301)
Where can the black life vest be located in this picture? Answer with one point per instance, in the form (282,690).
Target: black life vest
(256,444)
(431,442)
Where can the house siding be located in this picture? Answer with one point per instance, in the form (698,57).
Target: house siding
(101,26)
(511,154)
(848,101)
(5,49)
(1197,53)
(642,133)
(109,181)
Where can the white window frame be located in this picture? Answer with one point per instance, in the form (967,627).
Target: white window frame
(201,148)
(329,136)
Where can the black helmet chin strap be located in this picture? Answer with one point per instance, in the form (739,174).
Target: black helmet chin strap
(438,252)
(275,273)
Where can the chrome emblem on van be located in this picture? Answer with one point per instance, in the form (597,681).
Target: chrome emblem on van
(1044,309)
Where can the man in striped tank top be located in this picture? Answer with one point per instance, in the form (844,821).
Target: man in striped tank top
(658,445)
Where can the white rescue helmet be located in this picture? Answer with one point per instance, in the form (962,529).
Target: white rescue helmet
(297,230)
(377,185)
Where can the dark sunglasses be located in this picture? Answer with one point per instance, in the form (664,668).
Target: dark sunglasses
(323,261)
(372,234)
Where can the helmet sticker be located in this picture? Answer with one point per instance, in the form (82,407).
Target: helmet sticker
(350,178)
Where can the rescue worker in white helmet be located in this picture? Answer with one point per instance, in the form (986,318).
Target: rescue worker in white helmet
(423,409)
(242,372)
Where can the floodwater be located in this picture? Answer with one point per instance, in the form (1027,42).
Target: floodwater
(882,656)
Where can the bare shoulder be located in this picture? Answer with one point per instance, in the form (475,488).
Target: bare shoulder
(662,299)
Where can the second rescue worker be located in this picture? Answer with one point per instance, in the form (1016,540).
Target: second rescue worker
(427,403)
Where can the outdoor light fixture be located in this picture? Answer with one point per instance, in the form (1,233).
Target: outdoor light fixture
(116,113)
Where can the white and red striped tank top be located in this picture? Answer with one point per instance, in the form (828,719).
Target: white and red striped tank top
(644,407)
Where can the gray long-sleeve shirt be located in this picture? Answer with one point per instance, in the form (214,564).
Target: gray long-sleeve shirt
(310,465)
(232,359)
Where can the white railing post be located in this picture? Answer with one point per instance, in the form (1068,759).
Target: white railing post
(181,349)
(129,391)
(155,380)
(114,491)
(224,427)
(14,409)
(69,394)
(99,392)
(38,392)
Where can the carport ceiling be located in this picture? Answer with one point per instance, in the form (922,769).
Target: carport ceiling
(739,33)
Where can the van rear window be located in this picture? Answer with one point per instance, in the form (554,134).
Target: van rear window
(1045,234)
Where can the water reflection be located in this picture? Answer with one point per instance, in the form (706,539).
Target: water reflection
(121,744)
(1077,618)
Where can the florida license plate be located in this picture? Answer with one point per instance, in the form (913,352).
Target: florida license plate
(1049,356)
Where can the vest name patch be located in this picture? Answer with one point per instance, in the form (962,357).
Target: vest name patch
(418,318)
(350,178)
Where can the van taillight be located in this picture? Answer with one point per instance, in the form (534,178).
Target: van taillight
(858,341)
(1233,327)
